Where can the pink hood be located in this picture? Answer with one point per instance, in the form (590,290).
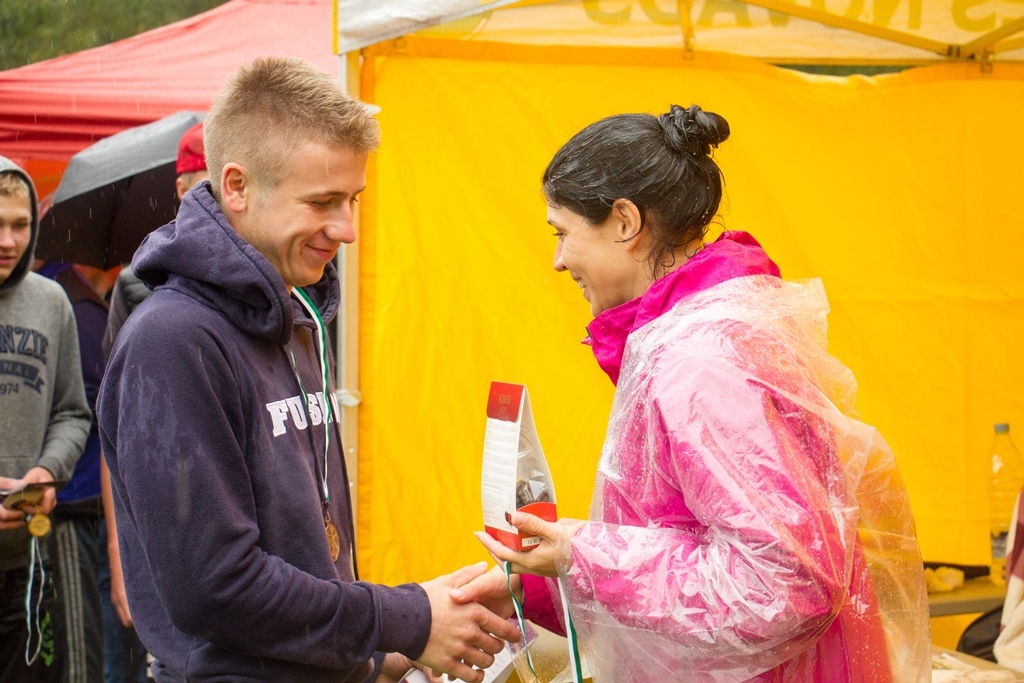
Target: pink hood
(733,254)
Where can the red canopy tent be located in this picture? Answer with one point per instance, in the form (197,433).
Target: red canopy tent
(52,109)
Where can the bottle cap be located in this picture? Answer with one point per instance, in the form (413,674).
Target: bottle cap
(1002,427)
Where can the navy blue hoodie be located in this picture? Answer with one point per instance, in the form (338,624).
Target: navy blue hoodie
(215,464)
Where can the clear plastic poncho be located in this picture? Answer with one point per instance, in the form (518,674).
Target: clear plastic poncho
(745,526)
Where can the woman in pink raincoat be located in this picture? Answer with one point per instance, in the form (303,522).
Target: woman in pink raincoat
(745,526)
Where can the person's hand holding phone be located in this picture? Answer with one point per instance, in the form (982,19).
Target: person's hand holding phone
(12,519)
(41,475)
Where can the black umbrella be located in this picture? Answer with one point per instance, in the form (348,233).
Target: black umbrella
(114,193)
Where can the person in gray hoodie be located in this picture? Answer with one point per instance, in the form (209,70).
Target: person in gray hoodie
(44,420)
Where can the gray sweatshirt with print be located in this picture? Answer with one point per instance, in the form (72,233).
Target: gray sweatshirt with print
(44,416)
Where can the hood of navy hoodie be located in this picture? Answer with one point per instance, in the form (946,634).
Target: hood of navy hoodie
(201,253)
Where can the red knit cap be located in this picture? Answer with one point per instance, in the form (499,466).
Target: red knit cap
(191,157)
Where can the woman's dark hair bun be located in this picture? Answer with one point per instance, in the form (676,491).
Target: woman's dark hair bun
(693,130)
(662,164)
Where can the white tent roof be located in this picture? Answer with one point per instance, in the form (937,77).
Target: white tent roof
(808,31)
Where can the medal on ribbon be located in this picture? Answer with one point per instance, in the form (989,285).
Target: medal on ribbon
(333,540)
(39,524)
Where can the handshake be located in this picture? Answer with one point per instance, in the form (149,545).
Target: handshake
(469,624)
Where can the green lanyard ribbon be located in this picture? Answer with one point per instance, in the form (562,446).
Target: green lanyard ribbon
(570,629)
(321,337)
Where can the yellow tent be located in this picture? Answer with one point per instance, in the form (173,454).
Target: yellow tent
(901,191)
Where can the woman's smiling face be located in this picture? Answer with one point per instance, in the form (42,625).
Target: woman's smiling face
(601,258)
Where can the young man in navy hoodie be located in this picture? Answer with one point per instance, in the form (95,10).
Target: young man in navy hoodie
(219,427)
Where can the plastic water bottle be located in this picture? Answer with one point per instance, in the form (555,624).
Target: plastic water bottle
(1005,481)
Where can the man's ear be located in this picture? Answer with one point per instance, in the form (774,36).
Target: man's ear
(235,187)
(627,221)
(179,185)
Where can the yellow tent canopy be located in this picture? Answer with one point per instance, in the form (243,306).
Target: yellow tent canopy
(901,191)
(777,31)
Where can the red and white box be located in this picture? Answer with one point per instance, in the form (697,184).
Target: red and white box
(515,472)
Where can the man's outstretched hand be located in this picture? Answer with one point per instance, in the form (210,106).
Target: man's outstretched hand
(463,636)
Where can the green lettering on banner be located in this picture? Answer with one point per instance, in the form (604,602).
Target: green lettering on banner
(666,12)
(960,18)
(885,9)
(780,19)
(594,11)
(853,11)
(713,7)
(660,16)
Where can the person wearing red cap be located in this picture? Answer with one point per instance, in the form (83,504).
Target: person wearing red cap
(191,165)
(124,655)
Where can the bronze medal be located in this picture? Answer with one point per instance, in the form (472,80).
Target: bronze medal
(333,540)
(39,525)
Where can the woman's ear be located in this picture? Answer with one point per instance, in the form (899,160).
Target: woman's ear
(627,221)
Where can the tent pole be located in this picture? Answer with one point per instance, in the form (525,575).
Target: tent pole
(347,351)
(1009,45)
(829,19)
(686,24)
(986,41)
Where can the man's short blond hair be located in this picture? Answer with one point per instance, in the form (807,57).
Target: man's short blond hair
(13,184)
(270,108)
